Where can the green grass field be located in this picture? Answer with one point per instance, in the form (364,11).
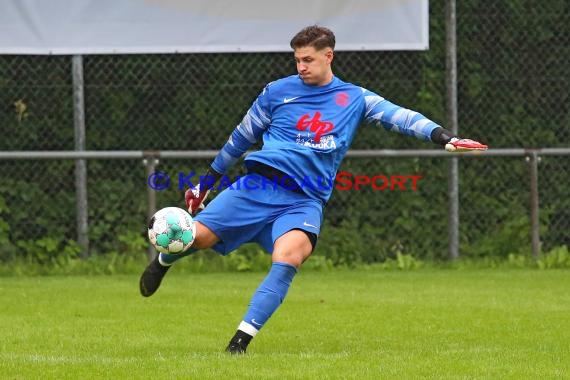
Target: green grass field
(440,324)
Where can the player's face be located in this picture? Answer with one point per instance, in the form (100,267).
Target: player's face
(314,66)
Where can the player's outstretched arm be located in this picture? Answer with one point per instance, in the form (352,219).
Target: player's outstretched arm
(407,122)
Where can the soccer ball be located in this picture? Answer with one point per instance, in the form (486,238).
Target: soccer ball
(171,230)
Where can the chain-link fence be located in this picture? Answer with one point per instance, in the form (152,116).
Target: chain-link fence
(513,84)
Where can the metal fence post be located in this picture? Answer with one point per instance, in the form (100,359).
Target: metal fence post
(80,164)
(533,161)
(451,89)
(150,165)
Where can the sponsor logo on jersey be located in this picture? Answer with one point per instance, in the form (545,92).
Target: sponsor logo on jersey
(327,142)
(314,124)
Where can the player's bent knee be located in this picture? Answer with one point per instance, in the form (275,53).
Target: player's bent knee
(205,238)
(293,257)
(293,248)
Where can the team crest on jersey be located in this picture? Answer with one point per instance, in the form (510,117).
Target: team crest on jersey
(342,99)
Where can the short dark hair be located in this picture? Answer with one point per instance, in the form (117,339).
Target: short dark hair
(316,36)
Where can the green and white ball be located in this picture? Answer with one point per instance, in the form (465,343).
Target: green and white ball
(171,230)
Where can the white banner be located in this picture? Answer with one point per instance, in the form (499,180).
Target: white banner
(189,26)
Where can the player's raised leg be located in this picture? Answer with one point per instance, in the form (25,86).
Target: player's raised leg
(155,271)
(290,251)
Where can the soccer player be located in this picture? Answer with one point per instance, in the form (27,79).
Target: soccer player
(307,122)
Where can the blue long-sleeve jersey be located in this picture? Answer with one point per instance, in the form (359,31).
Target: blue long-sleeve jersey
(307,130)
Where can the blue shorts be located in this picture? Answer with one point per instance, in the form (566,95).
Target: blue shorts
(253,211)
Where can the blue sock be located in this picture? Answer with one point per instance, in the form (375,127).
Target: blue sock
(268,296)
(167,259)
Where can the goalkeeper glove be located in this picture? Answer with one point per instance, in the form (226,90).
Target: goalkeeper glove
(464,145)
(453,143)
(195,197)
